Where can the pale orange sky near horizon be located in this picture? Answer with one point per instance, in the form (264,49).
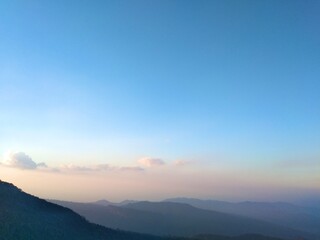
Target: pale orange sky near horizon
(161,182)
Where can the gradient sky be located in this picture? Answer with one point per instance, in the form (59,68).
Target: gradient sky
(154,99)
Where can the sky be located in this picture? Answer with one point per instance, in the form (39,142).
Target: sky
(155,99)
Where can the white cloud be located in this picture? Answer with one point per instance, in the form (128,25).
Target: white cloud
(19,160)
(151,162)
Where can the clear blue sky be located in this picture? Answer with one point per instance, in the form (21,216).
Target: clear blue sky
(113,81)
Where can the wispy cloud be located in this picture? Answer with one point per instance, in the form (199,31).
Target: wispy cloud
(97,168)
(83,168)
(42,165)
(151,162)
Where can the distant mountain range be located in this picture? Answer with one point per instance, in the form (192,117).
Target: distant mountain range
(177,219)
(25,217)
(281,213)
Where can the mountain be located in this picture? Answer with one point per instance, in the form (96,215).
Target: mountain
(125,202)
(104,202)
(25,217)
(285,214)
(176,219)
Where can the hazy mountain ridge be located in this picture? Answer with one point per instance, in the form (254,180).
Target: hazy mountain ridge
(104,202)
(177,219)
(217,220)
(281,213)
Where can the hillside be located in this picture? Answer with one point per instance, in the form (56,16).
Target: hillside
(25,217)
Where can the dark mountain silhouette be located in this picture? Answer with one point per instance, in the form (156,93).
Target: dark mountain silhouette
(176,219)
(285,214)
(25,217)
